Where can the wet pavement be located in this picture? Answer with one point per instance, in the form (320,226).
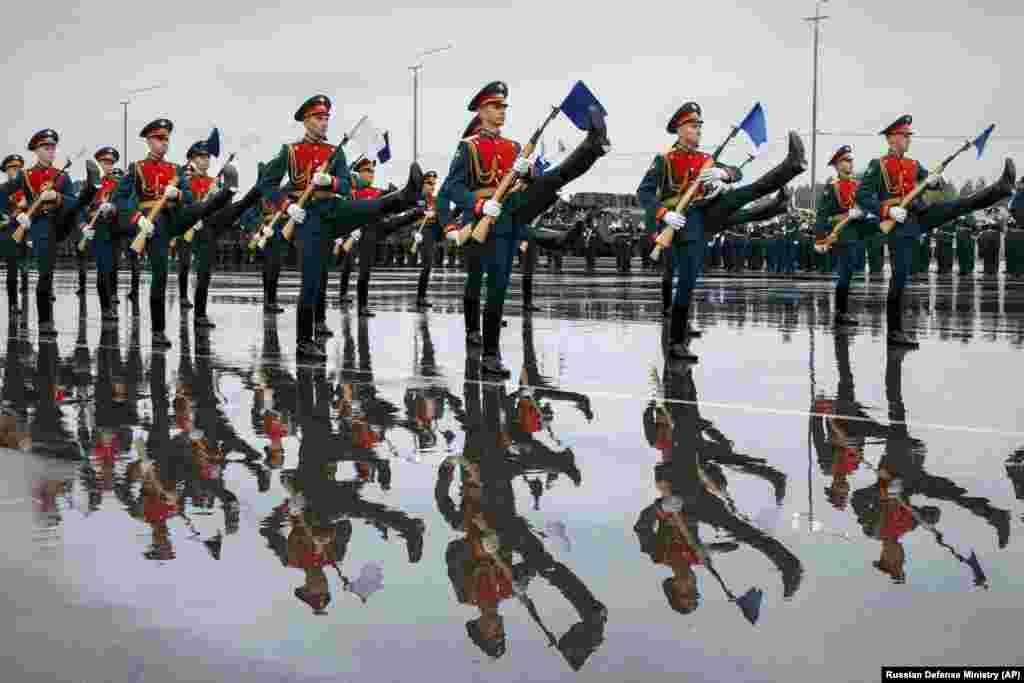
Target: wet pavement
(800,505)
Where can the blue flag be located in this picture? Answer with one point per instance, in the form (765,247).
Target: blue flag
(213,143)
(982,139)
(755,126)
(384,153)
(577,105)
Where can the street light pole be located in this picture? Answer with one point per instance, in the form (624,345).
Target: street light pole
(816,20)
(416,69)
(124,103)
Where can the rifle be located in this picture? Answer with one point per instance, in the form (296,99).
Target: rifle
(289,227)
(139,243)
(19,234)
(190,233)
(483,226)
(979,142)
(92,223)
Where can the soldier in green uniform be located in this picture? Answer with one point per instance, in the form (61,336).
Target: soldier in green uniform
(8,247)
(101,214)
(965,245)
(669,177)
(329,211)
(886,182)
(836,204)
(155,182)
(476,171)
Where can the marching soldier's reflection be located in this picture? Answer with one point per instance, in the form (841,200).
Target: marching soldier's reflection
(320,508)
(425,402)
(884,509)
(273,399)
(690,491)
(14,433)
(481,564)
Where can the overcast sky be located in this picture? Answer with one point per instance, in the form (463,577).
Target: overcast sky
(246,66)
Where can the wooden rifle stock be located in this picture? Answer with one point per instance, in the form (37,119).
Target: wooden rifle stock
(19,234)
(668,234)
(139,243)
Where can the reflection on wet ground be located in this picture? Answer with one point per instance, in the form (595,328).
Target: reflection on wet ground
(801,505)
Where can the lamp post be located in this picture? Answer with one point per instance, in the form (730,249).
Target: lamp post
(415,69)
(124,103)
(816,20)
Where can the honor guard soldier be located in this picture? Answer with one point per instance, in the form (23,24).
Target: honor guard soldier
(54,192)
(836,204)
(9,249)
(151,183)
(966,253)
(201,183)
(365,171)
(670,176)
(314,160)
(885,183)
(101,228)
(428,237)
(476,171)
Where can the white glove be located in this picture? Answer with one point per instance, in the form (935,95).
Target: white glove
(106,208)
(935,181)
(898,214)
(88,233)
(492,208)
(672,504)
(338,242)
(417,237)
(296,213)
(171,192)
(144,225)
(356,234)
(198,226)
(48,196)
(323,179)
(820,248)
(23,220)
(676,220)
(856,213)
(713,173)
(521,166)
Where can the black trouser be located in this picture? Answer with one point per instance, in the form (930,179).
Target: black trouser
(82,260)
(184,267)
(11,262)
(528,263)
(271,274)
(367,257)
(426,249)
(202,291)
